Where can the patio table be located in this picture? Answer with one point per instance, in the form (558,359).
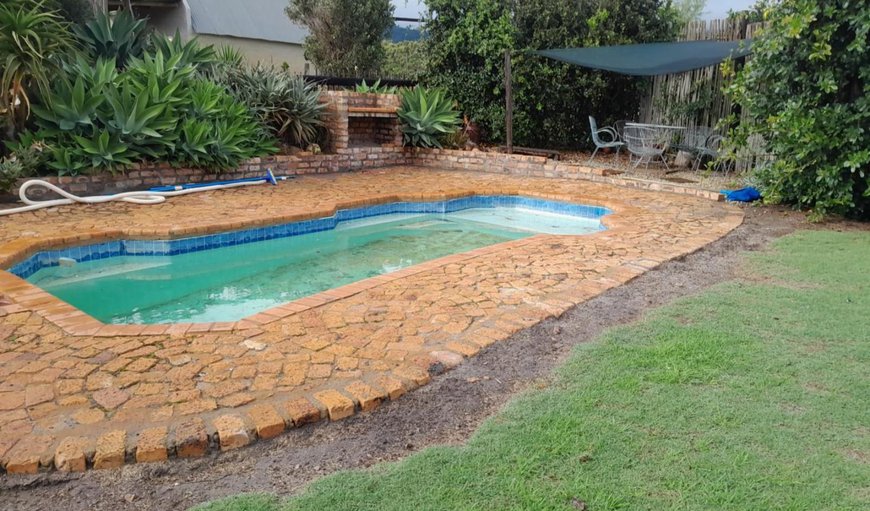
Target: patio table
(655,126)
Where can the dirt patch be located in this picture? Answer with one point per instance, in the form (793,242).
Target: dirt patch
(465,396)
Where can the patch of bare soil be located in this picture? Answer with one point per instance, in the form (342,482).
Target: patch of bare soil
(703,179)
(446,411)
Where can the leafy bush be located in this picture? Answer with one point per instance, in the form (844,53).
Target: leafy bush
(427,115)
(191,52)
(405,60)
(466,44)
(120,37)
(807,88)
(31,42)
(286,104)
(11,171)
(158,109)
(25,158)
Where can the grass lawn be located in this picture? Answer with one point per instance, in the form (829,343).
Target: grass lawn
(754,395)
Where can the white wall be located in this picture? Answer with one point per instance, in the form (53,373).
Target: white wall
(267,52)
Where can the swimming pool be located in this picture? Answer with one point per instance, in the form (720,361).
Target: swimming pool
(228,276)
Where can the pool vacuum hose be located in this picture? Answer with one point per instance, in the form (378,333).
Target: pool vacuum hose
(153,196)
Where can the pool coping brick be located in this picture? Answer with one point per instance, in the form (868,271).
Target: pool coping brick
(108,442)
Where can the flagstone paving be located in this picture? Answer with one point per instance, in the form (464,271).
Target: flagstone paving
(76,394)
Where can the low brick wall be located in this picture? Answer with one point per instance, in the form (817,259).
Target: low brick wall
(539,166)
(143,177)
(359,158)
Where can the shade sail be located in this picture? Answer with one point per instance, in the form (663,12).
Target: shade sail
(653,58)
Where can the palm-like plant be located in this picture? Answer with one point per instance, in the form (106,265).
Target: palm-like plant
(31,41)
(427,115)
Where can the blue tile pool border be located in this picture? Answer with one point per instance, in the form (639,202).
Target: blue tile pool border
(49,258)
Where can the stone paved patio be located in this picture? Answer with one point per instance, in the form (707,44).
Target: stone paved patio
(76,394)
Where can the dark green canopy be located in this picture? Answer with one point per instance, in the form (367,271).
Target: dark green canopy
(654,58)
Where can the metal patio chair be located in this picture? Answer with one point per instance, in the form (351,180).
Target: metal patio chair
(614,141)
(710,150)
(694,139)
(646,144)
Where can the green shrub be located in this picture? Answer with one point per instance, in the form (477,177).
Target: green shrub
(807,88)
(405,60)
(191,52)
(26,158)
(11,170)
(288,106)
(158,109)
(120,37)
(32,40)
(427,115)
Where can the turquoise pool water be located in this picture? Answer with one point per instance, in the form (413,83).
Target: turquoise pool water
(231,282)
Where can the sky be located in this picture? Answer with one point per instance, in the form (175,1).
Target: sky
(715,8)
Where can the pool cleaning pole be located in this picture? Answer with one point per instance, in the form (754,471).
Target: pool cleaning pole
(152,196)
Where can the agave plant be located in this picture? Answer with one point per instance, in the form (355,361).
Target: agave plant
(190,53)
(375,88)
(218,132)
(426,115)
(67,159)
(165,77)
(10,171)
(121,37)
(31,40)
(286,104)
(230,56)
(71,106)
(105,151)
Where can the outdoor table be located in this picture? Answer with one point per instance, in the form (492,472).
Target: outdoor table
(662,130)
(655,126)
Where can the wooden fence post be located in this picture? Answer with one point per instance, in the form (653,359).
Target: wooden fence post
(509,103)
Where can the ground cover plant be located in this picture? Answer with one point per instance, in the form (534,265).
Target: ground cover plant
(750,396)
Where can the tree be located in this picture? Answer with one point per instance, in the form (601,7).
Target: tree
(404,60)
(687,11)
(807,91)
(466,44)
(346,36)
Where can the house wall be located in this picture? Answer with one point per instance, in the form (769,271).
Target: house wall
(263,51)
(167,20)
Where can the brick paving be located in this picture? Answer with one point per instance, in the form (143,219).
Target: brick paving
(75,393)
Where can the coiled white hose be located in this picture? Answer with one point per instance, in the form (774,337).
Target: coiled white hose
(140,197)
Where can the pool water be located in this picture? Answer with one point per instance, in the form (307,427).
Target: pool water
(232,282)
